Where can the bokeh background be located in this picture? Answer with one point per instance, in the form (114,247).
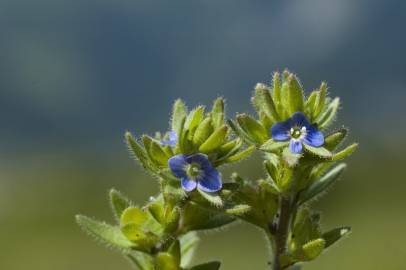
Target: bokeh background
(75,74)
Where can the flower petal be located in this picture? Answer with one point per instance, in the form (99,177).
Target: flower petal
(177,165)
(210,182)
(314,137)
(281,131)
(296,146)
(188,184)
(173,139)
(201,159)
(300,120)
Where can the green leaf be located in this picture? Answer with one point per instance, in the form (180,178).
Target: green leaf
(174,250)
(158,154)
(105,233)
(276,88)
(193,119)
(141,260)
(252,128)
(264,101)
(323,183)
(118,203)
(156,211)
(215,140)
(321,99)
(345,153)
(238,210)
(165,261)
(240,132)
(203,131)
(138,152)
(295,95)
(212,198)
(188,243)
(196,217)
(207,266)
(318,151)
(335,234)
(327,117)
(178,113)
(311,104)
(241,155)
(217,113)
(333,140)
(272,146)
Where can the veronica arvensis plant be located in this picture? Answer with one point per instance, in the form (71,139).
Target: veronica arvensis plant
(299,157)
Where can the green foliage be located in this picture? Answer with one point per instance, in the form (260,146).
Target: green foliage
(161,235)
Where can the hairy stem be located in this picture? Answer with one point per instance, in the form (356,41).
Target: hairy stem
(281,233)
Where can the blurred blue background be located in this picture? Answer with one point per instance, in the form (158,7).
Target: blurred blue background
(74,75)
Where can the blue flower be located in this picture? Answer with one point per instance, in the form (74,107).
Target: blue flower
(195,171)
(298,130)
(173,139)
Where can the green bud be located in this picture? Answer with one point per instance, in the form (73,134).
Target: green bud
(313,249)
(165,261)
(203,131)
(310,105)
(276,86)
(193,120)
(139,152)
(252,128)
(215,140)
(335,234)
(321,100)
(335,139)
(179,112)
(264,102)
(217,113)
(295,95)
(134,216)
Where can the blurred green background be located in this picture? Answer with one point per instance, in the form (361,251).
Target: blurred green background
(75,74)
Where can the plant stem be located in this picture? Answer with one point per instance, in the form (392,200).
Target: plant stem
(280,236)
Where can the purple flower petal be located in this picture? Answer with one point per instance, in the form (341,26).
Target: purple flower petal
(177,165)
(300,120)
(210,182)
(281,131)
(188,184)
(296,146)
(314,137)
(173,139)
(201,159)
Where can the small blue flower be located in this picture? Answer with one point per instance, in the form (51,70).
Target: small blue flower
(298,130)
(195,171)
(173,139)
